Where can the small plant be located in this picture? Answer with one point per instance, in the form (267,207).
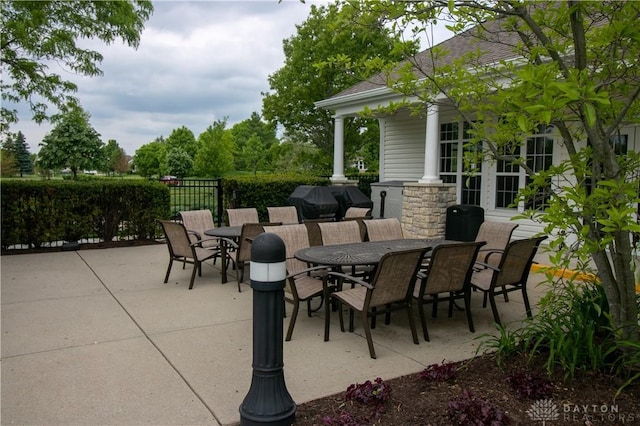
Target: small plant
(467,409)
(439,372)
(527,385)
(376,393)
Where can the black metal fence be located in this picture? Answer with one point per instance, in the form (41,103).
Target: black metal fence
(197,194)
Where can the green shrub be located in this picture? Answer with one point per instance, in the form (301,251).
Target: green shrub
(36,212)
(572,330)
(264,191)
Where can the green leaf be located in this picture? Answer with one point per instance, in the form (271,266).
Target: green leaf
(590,114)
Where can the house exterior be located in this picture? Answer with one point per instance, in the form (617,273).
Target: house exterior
(425,151)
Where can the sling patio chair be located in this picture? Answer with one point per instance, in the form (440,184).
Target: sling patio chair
(511,274)
(362,212)
(183,250)
(390,289)
(449,272)
(242,247)
(303,283)
(196,222)
(286,215)
(238,217)
(384,229)
(343,233)
(497,235)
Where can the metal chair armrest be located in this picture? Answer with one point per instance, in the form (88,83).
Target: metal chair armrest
(350,278)
(311,269)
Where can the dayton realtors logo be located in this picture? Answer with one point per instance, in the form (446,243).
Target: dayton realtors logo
(545,410)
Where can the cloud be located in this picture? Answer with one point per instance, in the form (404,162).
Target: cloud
(198,62)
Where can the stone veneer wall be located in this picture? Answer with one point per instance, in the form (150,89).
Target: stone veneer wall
(424,209)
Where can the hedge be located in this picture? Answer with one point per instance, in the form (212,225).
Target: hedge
(37,212)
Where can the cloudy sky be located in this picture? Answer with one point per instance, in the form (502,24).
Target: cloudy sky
(198,61)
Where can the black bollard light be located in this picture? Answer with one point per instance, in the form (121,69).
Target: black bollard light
(268,400)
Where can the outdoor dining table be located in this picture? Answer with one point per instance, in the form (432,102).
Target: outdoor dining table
(230,232)
(362,253)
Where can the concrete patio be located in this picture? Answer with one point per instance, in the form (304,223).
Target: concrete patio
(94,337)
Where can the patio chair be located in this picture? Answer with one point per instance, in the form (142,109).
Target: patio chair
(303,283)
(182,249)
(238,217)
(286,215)
(343,233)
(339,232)
(384,229)
(497,235)
(242,247)
(390,289)
(353,212)
(449,271)
(511,274)
(315,238)
(196,222)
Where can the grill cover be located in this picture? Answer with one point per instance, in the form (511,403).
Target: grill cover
(349,196)
(313,202)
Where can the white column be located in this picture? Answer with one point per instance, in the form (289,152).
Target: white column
(338,149)
(431,147)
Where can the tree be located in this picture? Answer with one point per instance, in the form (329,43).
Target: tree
(215,156)
(179,162)
(244,130)
(72,143)
(183,140)
(328,31)
(18,147)
(36,33)
(579,72)
(150,158)
(254,153)
(8,163)
(114,157)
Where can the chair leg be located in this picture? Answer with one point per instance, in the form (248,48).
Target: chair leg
(292,321)
(525,297)
(505,294)
(240,278)
(367,332)
(494,309)
(341,316)
(412,325)
(166,277)
(423,320)
(327,318)
(196,267)
(467,305)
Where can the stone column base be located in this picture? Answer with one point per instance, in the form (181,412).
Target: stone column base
(424,209)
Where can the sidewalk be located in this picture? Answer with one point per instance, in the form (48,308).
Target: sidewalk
(94,337)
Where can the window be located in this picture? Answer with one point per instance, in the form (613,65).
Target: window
(507,177)
(471,182)
(540,157)
(510,177)
(453,138)
(449,143)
